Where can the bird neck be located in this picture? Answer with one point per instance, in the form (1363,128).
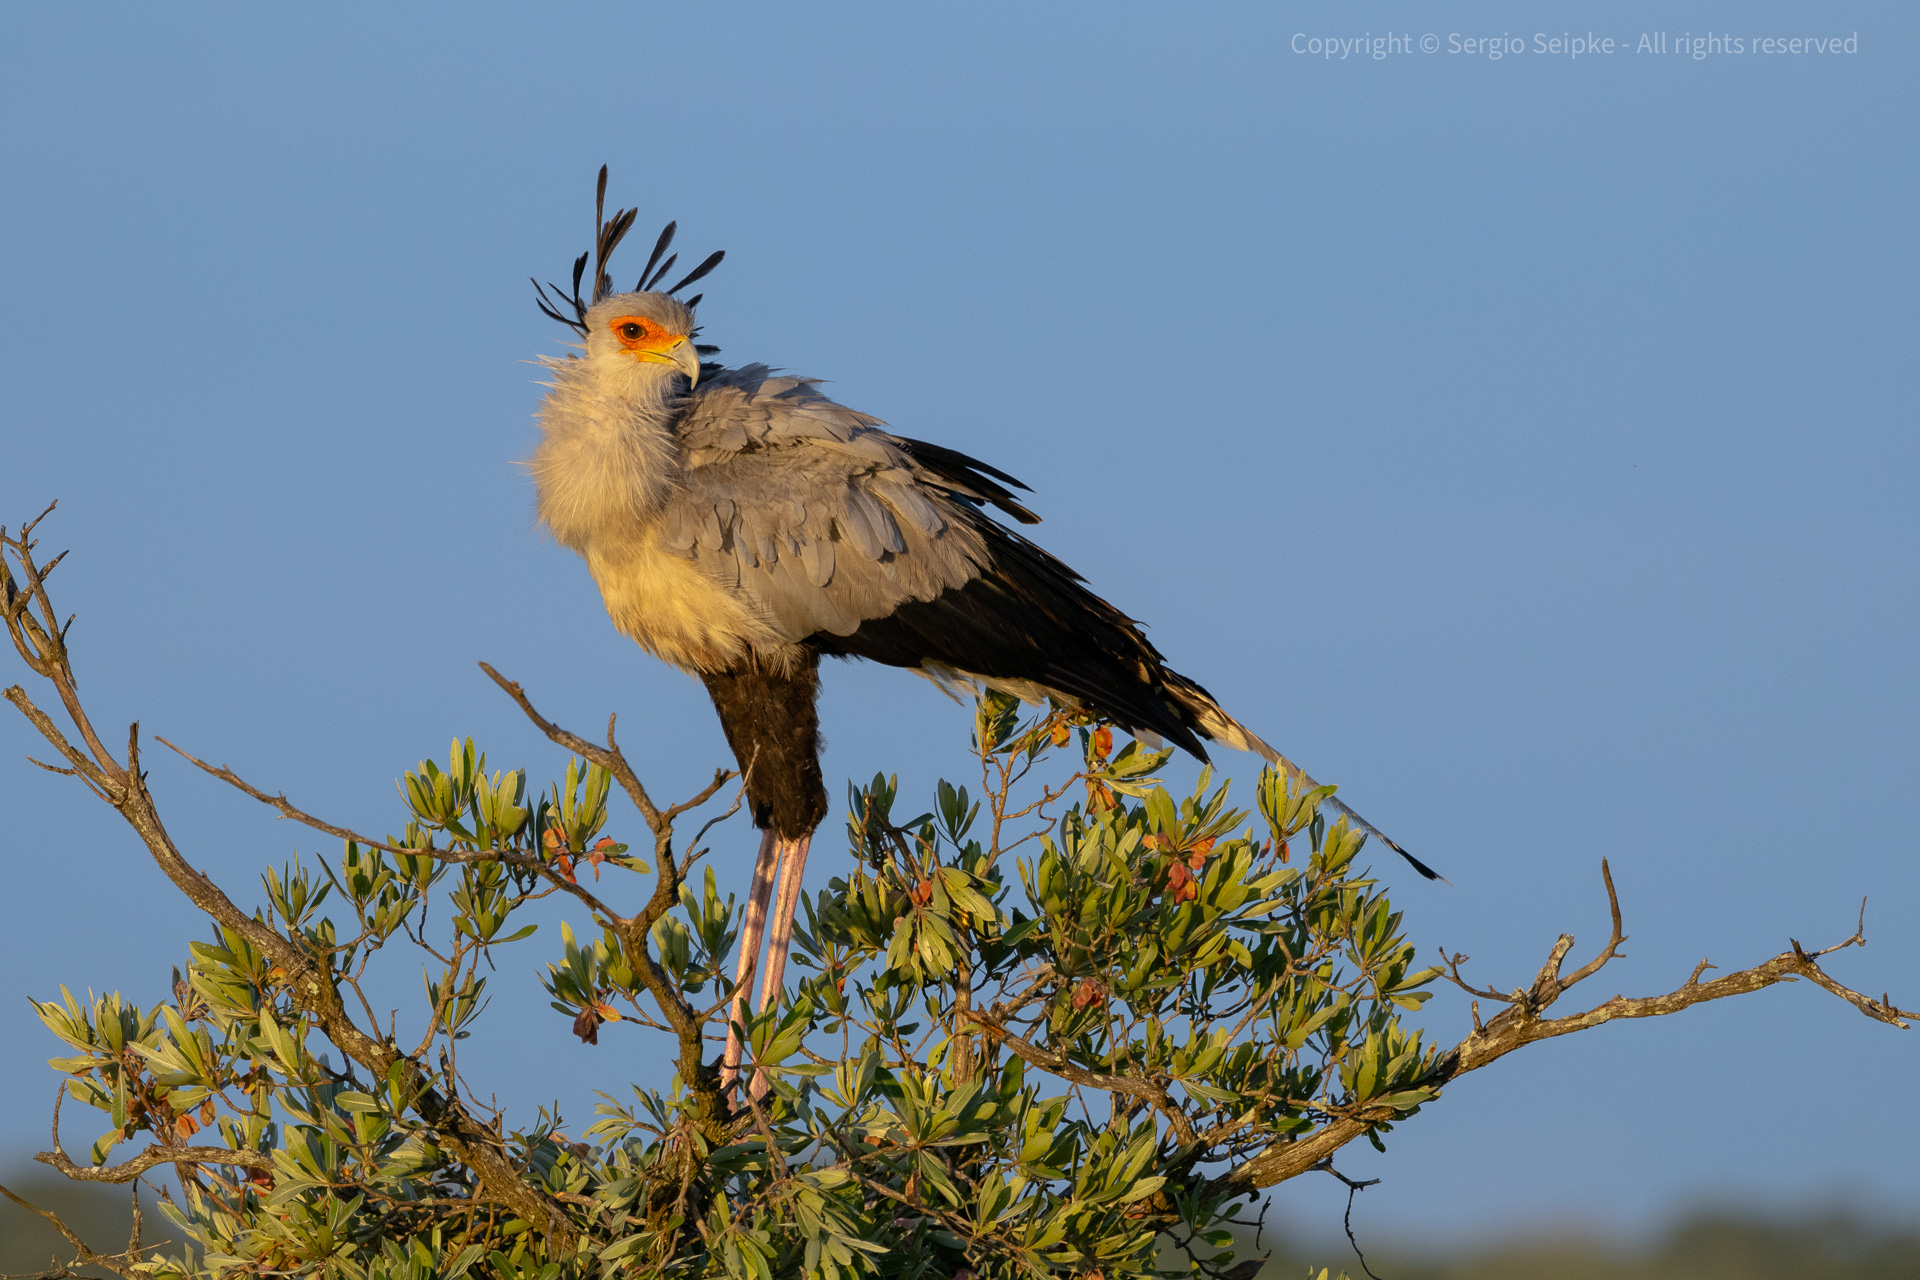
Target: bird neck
(609,456)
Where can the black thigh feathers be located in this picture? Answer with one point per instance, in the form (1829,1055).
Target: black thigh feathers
(774,730)
(1029,617)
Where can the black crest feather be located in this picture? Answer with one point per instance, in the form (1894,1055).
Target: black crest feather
(659,247)
(665,267)
(607,234)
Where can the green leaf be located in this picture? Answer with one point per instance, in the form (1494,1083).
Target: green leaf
(1209,1092)
(1160,812)
(103,1146)
(621,1248)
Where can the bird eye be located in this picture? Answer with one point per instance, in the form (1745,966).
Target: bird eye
(631,332)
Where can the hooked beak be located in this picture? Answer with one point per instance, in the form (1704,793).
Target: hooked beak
(683,357)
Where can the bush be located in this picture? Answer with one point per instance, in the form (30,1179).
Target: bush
(1068,1024)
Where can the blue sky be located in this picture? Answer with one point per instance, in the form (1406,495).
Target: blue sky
(1525,444)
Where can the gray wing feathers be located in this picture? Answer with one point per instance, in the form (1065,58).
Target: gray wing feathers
(869,525)
(808,509)
(896,489)
(742,408)
(677,526)
(715,521)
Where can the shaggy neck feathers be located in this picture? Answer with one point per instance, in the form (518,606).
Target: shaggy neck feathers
(609,457)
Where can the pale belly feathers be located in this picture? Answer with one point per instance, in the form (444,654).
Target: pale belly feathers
(658,598)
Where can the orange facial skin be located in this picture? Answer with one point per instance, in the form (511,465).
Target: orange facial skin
(646,339)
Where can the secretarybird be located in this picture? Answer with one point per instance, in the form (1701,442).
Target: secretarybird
(741,525)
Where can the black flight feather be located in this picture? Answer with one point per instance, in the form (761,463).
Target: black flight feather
(1029,617)
(969,475)
(955,458)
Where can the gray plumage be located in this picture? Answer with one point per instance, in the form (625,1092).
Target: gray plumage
(810,511)
(803,515)
(742,517)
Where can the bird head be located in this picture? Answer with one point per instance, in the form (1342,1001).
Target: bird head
(636,338)
(649,330)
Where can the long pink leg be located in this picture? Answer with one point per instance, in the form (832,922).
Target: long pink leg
(780,938)
(793,866)
(751,930)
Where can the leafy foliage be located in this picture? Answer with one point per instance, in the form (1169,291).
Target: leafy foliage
(1067,1025)
(1025,1041)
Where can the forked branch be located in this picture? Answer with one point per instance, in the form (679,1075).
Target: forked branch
(1521,1024)
(689,1023)
(610,758)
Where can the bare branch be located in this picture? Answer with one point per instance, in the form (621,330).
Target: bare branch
(119,1264)
(1612,948)
(1879,1010)
(511,857)
(1859,937)
(42,642)
(1060,1065)
(151,1158)
(607,757)
(1453,963)
(706,793)
(103,784)
(693,845)
(52,1218)
(1520,1024)
(1547,984)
